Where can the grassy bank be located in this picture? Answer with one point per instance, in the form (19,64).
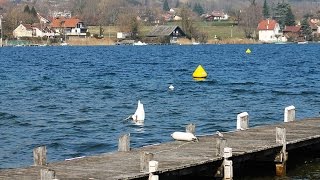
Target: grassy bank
(219,32)
(223,30)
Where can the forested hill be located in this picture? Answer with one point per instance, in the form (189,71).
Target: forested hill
(104,12)
(208,5)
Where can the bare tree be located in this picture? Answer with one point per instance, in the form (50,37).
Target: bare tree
(250,18)
(186,22)
(43,7)
(98,12)
(127,22)
(11,20)
(110,10)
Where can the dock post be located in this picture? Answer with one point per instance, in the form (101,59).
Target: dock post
(153,167)
(282,156)
(191,128)
(40,156)
(227,164)
(221,144)
(124,143)
(243,121)
(145,157)
(47,174)
(289,114)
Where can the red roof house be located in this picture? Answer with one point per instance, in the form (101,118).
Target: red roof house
(69,26)
(267,24)
(292,29)
(269,30)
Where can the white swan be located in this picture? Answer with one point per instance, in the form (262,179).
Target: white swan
(139,115)
(184,136)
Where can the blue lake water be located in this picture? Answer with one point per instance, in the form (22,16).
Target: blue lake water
(74,99)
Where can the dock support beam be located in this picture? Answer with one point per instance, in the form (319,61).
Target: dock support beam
(153,167)
(47,174)
(243,121)
(289,114)
(191,128)
(145,157)
(40,156)
(124,143)
(282,156)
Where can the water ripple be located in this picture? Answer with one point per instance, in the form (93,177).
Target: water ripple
(75,99)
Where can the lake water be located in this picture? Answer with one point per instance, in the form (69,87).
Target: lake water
(74,99)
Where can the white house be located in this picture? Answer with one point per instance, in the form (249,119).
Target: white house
(177,18)
(23,30)
(220,15)
(315,25)
(41,30)
(269,31)
(32,30)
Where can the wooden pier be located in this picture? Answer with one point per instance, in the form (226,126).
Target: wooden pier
(212,156)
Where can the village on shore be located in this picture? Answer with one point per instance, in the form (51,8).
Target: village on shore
(216,27)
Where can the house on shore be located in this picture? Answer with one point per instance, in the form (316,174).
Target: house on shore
(69,27)
(269,31)
(215,16)
(293,33)
(23,30)
(32,30)
(165,34)
(315,26)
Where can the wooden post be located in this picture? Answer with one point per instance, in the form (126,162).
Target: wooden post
(228,169)
(124,143)
(289,114)
(145,157)
(281,136)
(243,121)
(153,167)
(153,177)
(191,128)
(227,164)
(227,152)
(40,156)
(221,144)
(282,156)
(47,174)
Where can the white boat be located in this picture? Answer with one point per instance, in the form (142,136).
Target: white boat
(195,43)
(303,42)
(139,43)
(64,44)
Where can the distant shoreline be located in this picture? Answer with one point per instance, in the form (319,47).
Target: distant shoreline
(110,42)
(107,41)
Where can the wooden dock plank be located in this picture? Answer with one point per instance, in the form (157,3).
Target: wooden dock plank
(172,156)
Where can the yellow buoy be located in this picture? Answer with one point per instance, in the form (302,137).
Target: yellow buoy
(199,72)
(248,51)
